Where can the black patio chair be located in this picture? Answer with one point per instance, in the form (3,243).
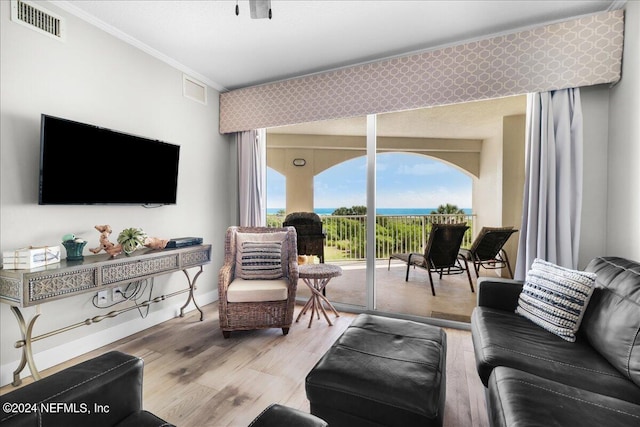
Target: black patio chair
(441,254)
(311,237)
(487,249)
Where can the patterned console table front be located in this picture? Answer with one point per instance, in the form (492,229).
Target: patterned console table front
(26,288)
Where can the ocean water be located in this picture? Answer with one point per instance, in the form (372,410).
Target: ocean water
(379,211)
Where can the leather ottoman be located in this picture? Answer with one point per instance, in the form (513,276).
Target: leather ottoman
(381,372)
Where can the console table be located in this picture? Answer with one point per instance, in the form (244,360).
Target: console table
(26,288)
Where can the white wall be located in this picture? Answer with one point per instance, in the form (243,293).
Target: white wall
(93,77)
(623,186)
(513,174)
(593,228)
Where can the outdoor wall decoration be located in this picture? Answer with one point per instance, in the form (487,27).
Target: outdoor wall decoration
(580,52)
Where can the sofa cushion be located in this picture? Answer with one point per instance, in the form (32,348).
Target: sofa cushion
(502,338)
(520,399)
(555,298)
(612,320)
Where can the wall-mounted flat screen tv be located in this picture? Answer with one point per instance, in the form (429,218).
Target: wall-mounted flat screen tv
(83,164)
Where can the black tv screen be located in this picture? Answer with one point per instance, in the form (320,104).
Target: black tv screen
(82,164)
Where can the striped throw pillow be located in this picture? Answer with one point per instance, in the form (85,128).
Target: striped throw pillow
(555,298)
(261,260)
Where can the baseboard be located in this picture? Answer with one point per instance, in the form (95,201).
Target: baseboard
(59,354)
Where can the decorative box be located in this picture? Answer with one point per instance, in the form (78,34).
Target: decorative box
(31,257)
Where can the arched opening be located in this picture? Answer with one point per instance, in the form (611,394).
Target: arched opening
(410,189)
(276,190)
(276,197)
(405,181)
(342,185)
(417,183)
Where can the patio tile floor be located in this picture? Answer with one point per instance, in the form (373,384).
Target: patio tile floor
(453,301)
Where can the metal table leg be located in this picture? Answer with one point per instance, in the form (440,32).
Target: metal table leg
(27,352)
(191,297)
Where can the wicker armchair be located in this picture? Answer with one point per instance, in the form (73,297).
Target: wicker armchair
(256,286)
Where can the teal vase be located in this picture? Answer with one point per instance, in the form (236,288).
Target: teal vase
(74,250)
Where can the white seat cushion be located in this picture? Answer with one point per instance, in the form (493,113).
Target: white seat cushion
(241,290)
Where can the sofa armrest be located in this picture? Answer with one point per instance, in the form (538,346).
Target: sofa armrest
(144,419)
(102,391)
(276,415)
(499,293)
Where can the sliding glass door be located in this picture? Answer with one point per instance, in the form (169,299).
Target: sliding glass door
(380,182)
(322,168)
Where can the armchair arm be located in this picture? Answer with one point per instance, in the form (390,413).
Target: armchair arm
(411,260)
(499,293)
(293,287)
(225,277)
(293,272)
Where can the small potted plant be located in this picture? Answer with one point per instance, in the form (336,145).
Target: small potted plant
(131,239)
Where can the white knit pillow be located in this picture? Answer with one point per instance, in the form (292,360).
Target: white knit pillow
(555,298)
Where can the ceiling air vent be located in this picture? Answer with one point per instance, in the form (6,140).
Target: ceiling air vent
(37,18)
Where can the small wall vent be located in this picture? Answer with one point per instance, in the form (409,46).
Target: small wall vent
(37,18)
(194,90)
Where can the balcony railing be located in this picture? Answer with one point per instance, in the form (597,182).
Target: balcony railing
(346,235)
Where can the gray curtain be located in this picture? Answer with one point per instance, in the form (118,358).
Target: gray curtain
(553,181)
(252,161)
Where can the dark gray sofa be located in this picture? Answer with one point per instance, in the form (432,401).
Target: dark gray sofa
(535,378)
(102,392)
(113,382)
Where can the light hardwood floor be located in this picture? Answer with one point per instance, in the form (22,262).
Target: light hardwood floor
(195,378)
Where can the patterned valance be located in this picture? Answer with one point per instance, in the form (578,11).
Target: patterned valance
(581,52)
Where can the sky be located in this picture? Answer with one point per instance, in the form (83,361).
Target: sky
(402,181)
